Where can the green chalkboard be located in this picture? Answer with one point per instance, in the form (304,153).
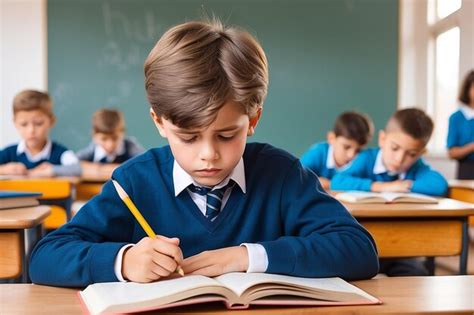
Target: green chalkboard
(324,57)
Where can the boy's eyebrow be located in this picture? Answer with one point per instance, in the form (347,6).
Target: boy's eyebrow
(192,132)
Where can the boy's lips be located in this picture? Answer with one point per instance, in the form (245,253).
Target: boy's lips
(208,171)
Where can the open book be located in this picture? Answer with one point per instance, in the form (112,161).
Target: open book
(17,199)
(236,290)
(384,197)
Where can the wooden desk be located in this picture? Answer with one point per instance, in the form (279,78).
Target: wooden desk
(462,189)
(418,230)
(90,185)
(400,295)
(14,256)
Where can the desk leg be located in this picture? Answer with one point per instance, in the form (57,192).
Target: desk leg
(464,248)
(33,235)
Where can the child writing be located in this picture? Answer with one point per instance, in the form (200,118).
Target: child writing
(36,155)
(220,205)
(397,167)
(109,145)
(461,130)
(351,132)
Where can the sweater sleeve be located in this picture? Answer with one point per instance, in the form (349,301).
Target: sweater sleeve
(356,177)
(322,238)
(428,181)
(313,159)
(453,133)
(83,251)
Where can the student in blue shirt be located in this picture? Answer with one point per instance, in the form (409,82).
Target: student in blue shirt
(219,205)
(109,146)
(461,130)
(36,155)
(351,132)
(396,167)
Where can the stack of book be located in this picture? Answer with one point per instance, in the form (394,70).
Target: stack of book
(18,199)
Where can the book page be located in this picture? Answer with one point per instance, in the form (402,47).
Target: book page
(240,282)
(100,296)
(394,196)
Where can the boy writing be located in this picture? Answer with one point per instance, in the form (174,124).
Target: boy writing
(36,155)
(351,132)
(397,167)
(220,205)
(109,145)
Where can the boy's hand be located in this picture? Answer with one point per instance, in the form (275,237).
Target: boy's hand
(43,170)
(151,259)
(395,186)
(13,168)
(217,262)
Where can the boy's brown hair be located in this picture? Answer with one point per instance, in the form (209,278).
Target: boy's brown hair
(196,67)
(29,100)
(412,121)
(354,126)
(108,121)
(465,87)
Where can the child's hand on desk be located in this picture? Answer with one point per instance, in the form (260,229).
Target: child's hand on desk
(151,259)
(217,262)
(43,170)
(13,168)
(395,186)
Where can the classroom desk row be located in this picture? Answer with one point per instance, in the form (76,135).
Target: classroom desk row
(401,295)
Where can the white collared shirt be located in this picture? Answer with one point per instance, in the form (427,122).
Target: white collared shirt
(257,255)
(467,111)
(379,167)
(100,153)
(331,161)
(67,158)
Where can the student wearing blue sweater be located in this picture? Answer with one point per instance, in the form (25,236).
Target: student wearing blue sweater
(351,132)
(218,204)
(396,167)
(36,155)
(461,130)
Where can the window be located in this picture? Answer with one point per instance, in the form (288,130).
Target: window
(446,7)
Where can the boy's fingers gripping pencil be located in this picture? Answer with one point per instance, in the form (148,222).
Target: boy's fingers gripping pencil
(136,213)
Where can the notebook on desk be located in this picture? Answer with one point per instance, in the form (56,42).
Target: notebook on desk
(236,290)
(17,199)
(384,197)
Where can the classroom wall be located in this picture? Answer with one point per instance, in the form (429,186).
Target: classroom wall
(324,56)
(22,56)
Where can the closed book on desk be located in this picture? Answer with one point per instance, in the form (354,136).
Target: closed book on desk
(18,199)
(236,290)
(384,197)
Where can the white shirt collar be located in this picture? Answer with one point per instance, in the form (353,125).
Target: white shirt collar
(331,162)
(182,180)
(379,167)
(42,155)
(467,111)
(99,152)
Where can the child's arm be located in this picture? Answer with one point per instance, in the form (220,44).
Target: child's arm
(394,186)
(427,181)
(459,152)
(356,177)
(314,158)
(326,183)
(13,168)
(69,166)
(98,169)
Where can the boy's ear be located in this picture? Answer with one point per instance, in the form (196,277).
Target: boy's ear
(331,136)
(254,121)
(382,136)
(158,123)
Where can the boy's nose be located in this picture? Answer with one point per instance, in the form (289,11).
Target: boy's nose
(209,152)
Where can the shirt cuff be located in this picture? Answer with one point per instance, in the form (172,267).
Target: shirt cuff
(118,263)
(258,259)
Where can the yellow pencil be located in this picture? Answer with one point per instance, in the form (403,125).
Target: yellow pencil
(136,213)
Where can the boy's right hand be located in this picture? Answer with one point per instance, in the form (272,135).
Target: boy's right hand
(14,168)
(151,259)
(395,186)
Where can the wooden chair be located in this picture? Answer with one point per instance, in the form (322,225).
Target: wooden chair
(57,193)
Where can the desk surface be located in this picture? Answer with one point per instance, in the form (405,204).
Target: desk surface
(419,295)
(445,208)
(461,183)
(23,218)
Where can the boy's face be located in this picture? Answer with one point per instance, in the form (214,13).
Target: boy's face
(399,150)
(344,149)
(109,142)
(33,126)
(210,154)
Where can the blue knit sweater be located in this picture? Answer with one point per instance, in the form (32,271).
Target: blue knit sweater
(304,231)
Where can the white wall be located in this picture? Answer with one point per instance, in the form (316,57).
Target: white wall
(23,58)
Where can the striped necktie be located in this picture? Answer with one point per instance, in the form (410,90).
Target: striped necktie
(213,198)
